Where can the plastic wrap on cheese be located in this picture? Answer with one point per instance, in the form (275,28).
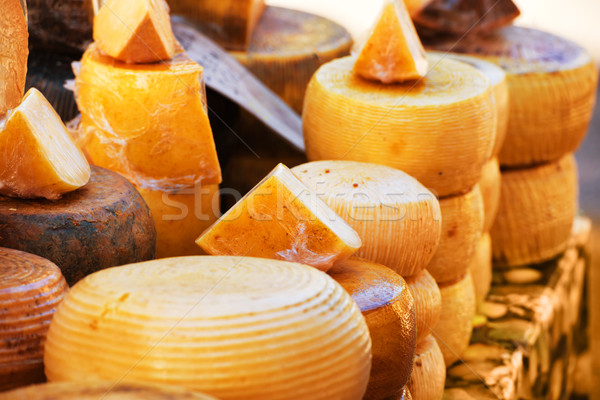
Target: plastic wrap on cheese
(148,122)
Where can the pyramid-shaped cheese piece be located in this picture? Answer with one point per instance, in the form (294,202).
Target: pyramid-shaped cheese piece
(38,157)
(393,51)
(135,31)
(281,219)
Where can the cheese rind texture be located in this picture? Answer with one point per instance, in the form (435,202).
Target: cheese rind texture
(429,372)
(13,54)
(428,302)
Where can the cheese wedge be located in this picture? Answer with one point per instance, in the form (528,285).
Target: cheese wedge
(440,131)
(429,372)
(230,23)
(481,268)
(13,53)
(135,31)
(281,219)
(388,307)
(147,122)
(536,213)
(393,51)
(231,327)
(489,185)
(462,226)
(38,157)
(428,302)
(397,218)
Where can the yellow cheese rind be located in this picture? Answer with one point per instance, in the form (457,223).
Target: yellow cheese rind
(13,54)
(489,185)
(231,327)
(428,302)
(146,121)
(536,213)
(397,218)
(480,268)
(281,219)
(38,156)
(462,226)
(136,31)
(440,131)
(429,372)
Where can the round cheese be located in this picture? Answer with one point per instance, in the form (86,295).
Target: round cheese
(481,268)
(387,304)
(104,224)
(31,288)
(231,327)
(429,372)
(428,302)
(489,185)
(13,54)
(397,218)
(439,130)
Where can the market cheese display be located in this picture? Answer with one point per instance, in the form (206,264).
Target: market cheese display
(230,23)
(104,224)
(453,330)
(31,288)
(428,302)
(440,131)
(38,157)
(429,371)
(480,268)
(393,51)
(462,226)
(397,218)
(13,53)
(281,219)
(387,304)
(489,185)
(539,203)
(288,46)
(230,327)
(102,390)
(136,31)
(552,88)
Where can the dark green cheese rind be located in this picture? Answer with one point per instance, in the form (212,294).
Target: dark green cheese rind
(104,224)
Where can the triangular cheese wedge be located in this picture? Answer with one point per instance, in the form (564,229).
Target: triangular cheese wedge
(13,53)
(38,157)
(135,31)
(393,51)
(281,219)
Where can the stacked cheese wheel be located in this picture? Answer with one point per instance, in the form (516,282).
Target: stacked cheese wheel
(31,288)
(144,115)
(232,327)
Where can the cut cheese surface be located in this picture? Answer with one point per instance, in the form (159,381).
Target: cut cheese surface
(440,131)
(393,51)
(38,156)
(428,302)
(281,219)
(429,372)
(387,304)
(135,31)
(13,53)
(146,121)
(397,218)
(231,327)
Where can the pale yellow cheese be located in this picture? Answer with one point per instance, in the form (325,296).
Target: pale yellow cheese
(429,372)
(481,268)
(490,185)
(428,302)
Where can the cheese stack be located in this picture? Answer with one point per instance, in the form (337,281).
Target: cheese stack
(144,115)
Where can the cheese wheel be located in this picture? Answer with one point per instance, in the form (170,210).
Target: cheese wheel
(536,213)
(281,219)
(490,185)
(429,371)
(397,218)
(462,226)
(104,224)
(102,390)
(288,46)
(440,130)
(136,31)
(454,328)
(428,302)
(232,327)
(388,307)
(480,268)
(552,87)
(38,157)
(31,288)
(404,394)
(146,121)
(13,54)
(180,217)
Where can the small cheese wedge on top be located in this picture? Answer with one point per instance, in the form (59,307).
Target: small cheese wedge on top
(281,219)
(393,51)
(135,31)
(38,157)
